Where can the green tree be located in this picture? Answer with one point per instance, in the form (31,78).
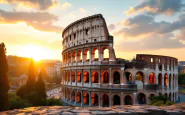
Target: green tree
(16,102)
(181,79)
(4,84)
(40,90)
(31,76)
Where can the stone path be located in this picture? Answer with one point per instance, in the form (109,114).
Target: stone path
(176,109)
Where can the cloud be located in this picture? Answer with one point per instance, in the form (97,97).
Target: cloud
(39,20)
(144,25)
(154,7)
(66,5)
(152,42)
(82,10)
(111,27)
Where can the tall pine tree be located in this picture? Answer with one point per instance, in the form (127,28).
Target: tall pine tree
(31,76)
(4,84)
(40,90)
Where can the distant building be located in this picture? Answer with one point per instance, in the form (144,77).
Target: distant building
(19,81)
(54,69)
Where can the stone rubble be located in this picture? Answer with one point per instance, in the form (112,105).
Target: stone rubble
(176,109)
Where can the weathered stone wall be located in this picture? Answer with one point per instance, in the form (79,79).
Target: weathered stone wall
(178,109)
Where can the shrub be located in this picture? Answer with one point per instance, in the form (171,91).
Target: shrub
(52,102)
(16,102)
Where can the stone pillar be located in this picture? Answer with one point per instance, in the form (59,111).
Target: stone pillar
(135,98)
(83,60)
(90,99)
(100,53)
(82,99)
(110,77)
(70,77)
(90,55)
(99,99)
(90,78)
(82,78)
(99,77)
(122,99)
(110,99)
(76,73)
(75,98)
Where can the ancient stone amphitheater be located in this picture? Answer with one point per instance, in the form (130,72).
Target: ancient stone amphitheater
(93,76)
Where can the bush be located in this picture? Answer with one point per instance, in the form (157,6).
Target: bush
(53,102)
(160,100)
(16,102)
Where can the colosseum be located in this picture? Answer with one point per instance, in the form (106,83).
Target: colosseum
(90,77)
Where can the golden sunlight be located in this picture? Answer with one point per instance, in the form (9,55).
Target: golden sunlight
(35,52)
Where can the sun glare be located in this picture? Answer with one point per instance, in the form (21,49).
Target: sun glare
(35,52)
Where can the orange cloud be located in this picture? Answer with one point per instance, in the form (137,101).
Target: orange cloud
(38,20)
(39,4)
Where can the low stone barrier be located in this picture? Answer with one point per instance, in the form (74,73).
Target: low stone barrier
(176,109)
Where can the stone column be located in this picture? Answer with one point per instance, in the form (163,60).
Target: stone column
(110,77)
(110,99)
(90,78)
(90,55)
(82,99)
(90,100)
(99,77)
(82,78)
(83,60)
(100,53)
(99,99)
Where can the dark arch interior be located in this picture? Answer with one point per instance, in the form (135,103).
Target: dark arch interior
(116,78)
(116,100)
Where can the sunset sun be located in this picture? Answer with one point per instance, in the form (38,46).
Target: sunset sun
(35,52)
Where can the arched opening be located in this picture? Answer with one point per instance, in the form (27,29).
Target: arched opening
(170,96)
(95,99)
(79,97)
(105,54)
(95,77)
(79,77)
(128,77)
(160,79)
(74,56)
(95,54)
(73,76)
(86,55)
(166,79)
(86,98)
(116,77)
(170,80)
(79,58)
(68,94)
(73,96)
(139,77)
(141,98)
(128,100)
(68,77)
(105,77)
(152,78)
(116,100)
(105,98)
(86,77)
(166,95)
(69,57)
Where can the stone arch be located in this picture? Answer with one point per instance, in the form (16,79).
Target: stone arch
(79,55)
(105,53)
(73,96)
(166,79)
(116,79)
(79,97)
(95,77)
(152,78)
(74,56)
(128,100)
(105,77)
(79,77)
(140,76)
(116,100)
(160,79)
(68,78)
(86,77)
(95,54)
(86,98)
(73,76)
(95,99)
(68,94)
(86,55)
(141,98)
(128,77)
(105,99)
(69,57)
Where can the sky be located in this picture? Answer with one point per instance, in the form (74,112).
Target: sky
(33,28)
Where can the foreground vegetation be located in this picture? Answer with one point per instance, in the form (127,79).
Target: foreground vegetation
(160,100)
(181,80)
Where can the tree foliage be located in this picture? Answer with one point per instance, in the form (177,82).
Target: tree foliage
(160,100)
(181,79)
(4,84)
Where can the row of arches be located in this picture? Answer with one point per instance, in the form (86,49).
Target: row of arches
(105,77)
(86,55)
(94,98)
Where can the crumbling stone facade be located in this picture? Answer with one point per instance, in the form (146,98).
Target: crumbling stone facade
(89,78)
